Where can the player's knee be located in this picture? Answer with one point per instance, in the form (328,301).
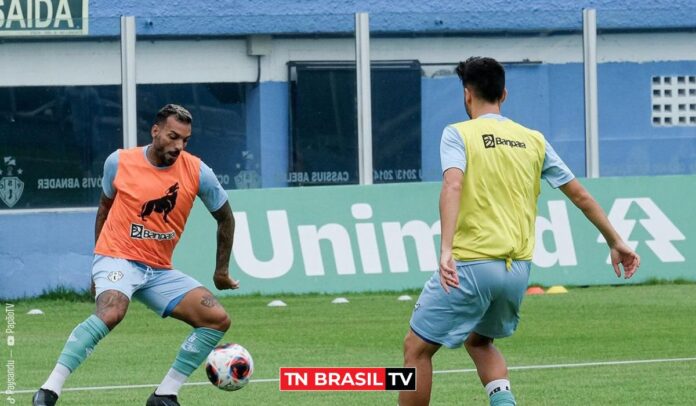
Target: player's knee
(412,350)
(225,323)
(407,343)
(219,321)
(111,317)
(112,307)
(476,342)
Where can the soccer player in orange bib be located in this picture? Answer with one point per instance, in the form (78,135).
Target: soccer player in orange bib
(147,196)
(492,168)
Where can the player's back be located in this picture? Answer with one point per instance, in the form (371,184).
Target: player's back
(500,189)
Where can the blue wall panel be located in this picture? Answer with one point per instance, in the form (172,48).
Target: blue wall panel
(629,143)
(566,109)
(274,133)
(45,250)
(237,17)
(442,104)
(548,98)
(268,132)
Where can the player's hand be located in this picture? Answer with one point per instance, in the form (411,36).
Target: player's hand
(223,281)
(448,272)
(621,254)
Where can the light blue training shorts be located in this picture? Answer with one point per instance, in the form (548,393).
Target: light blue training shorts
(159,289)
(486,302)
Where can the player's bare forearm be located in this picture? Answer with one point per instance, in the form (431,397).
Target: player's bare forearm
(584,201)
(619,253)
(449,210)
(102,212)
(449,206)
(225,237)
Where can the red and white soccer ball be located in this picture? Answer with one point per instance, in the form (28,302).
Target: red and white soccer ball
(229,367)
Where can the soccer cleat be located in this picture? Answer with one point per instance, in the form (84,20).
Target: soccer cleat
(162,400)
(44,397)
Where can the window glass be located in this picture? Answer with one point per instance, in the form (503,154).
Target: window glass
(53,143)
(324,139)
(219,134)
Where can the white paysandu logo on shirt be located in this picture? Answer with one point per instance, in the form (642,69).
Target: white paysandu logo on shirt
(114,276)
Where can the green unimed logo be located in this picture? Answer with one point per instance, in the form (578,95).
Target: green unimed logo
(661,232)
(338,235)
(653,220)
(372,235)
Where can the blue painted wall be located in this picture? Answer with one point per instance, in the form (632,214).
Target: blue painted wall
(44,251)
(629,144)
(275,146)
(239,17)
(550,98)
(40,251)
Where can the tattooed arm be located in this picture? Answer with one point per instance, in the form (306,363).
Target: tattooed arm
(225,235)
(102,212)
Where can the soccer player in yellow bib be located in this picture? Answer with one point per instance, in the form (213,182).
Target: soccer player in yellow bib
(492,170)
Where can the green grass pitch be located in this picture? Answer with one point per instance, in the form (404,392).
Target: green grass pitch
(600,324)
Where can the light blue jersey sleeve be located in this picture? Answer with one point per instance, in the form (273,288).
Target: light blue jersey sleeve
(210,190)
(555,171)
(453,155)
(110,168)
(452,150)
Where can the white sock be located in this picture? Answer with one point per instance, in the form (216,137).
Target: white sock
(171,383)
(57,379)
(497,386)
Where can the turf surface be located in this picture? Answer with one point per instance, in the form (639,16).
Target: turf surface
(585,325)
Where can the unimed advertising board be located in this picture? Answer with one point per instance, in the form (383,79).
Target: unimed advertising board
(43,17)
(387,237)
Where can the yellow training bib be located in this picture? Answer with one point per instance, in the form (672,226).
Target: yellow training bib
(500,188)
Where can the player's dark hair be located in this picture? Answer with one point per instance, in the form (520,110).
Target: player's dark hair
(485,76)
(181,114)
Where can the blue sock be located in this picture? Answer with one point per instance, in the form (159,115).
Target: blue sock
(502,398)
(82,341)
(196,349)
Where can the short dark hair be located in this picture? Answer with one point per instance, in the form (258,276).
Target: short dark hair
(181,114)
(485,76)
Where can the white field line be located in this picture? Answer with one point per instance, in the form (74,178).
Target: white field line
(580,365)
(448,371)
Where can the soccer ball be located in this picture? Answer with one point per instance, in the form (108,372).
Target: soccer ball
(229,367)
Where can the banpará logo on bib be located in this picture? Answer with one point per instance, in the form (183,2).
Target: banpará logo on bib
(139,232)
(490,141)
(11,187)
